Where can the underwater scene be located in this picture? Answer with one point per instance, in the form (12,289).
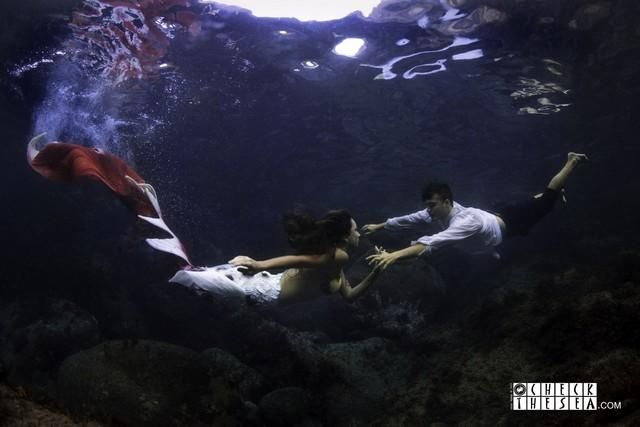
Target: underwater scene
(320,213)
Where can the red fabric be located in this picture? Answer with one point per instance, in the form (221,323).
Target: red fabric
(68,162)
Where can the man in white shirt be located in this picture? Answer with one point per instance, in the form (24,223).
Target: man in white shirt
(470,229)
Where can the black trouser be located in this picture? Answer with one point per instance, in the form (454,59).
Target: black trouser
(521,217)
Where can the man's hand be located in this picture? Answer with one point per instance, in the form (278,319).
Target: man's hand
(371,228)
(381,259)
(384,259)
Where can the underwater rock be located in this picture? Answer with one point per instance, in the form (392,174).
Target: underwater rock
(194,321)
(226,367)
(618,371)
(285,406)
(458,388)
(595,322)
(286,358)
(143,383)
(401,301)
(368,371)
(17,410)
(36,335)
(252,413)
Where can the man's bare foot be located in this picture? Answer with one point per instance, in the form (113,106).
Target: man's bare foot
(576,157)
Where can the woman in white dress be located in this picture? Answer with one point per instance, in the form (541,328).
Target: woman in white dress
(321,251)
(321,246)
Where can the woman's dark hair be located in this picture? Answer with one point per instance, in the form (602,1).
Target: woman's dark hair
(310,236)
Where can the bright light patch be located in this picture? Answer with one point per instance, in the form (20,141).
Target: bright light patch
(452,14)
(310,64)
(423,22)
(472,54)
(308,10)
(387,69)
(349,47)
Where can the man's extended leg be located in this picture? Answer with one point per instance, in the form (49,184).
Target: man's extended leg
(558,181)
(520,218)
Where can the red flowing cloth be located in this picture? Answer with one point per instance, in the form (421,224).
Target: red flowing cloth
(67,162)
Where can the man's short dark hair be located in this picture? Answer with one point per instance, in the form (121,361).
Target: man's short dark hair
(436,187)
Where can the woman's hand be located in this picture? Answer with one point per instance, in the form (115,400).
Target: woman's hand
(250,264)
(380,250)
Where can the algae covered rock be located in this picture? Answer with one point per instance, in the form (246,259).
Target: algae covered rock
(285,407)
(36,334)
(143,383)
(227,368)
(364,373)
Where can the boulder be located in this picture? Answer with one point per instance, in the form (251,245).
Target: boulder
(285,407)
(144,383)
(227,368)
(36,334)
(364,374)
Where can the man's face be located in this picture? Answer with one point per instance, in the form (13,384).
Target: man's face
(437,207)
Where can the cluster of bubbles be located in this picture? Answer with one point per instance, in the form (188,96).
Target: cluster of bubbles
(113,43)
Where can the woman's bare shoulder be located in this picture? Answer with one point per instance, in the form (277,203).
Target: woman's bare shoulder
(341,256)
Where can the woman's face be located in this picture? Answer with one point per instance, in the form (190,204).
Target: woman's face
(354,235)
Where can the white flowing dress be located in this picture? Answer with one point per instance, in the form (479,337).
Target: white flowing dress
(224,280)
(227,281)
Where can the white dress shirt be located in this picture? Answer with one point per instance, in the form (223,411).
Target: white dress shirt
(470,229)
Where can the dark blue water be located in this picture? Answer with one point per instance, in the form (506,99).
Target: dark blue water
(234,129)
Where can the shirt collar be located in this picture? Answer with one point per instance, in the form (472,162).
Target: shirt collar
(455,209)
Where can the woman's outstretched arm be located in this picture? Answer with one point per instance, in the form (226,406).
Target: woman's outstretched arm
(287,261)
(352,292)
